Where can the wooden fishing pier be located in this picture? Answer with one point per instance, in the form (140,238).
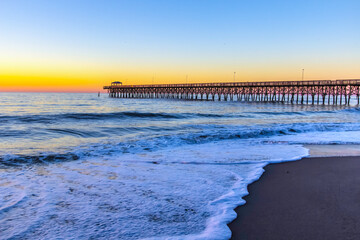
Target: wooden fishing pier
(330,92)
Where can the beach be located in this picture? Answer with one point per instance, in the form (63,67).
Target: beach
(313,198)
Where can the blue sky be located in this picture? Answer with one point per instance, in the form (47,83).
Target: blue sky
(134,39)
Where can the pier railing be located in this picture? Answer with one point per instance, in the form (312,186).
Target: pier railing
(319,91)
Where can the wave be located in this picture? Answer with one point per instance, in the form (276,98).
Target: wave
(45,158)
(351,110)
(43,118)
(277,113)
(77,133)
(261,131)
(195,135)
(306,112)
(13,133)
(53,118)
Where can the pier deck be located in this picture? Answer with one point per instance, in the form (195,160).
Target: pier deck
(302,92)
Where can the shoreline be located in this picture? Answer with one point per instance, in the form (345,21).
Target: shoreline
(312,198)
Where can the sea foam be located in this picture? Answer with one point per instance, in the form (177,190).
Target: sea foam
(177,193)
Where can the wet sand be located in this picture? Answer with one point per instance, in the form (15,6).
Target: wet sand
(314,198)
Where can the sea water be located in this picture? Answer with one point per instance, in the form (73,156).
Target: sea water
(79,166)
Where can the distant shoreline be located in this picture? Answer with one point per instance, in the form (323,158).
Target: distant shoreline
(313,198)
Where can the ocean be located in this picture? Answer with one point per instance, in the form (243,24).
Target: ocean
(79,166)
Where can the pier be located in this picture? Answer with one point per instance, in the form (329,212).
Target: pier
(330,92)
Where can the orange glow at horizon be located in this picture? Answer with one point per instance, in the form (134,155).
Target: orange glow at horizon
(93,80)
(31,83)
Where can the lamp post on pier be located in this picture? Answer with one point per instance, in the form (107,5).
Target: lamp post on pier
(302,75)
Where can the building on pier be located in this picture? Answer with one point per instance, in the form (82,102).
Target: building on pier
(116,83)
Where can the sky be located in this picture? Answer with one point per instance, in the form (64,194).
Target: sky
(82,45)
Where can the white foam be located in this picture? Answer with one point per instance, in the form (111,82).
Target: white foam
(189,193)
(335,137)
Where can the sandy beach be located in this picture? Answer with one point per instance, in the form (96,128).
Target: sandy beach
(314,198)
